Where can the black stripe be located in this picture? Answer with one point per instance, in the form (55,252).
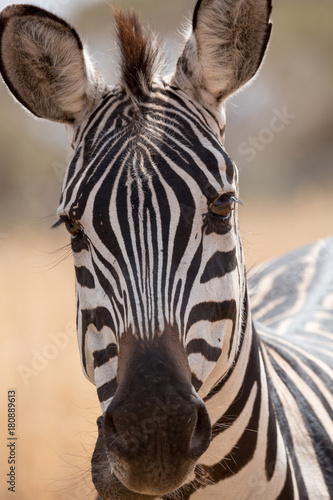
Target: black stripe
(211,311)
(84,277)
(136,216)
(104,355)
(200,346)
(176,298)
(272,443)
(196,382)
(107,390)
(220,264)
(232,336)
(287,492)
(98,317)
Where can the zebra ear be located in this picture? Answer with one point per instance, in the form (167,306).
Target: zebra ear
(225,49)
(44,64)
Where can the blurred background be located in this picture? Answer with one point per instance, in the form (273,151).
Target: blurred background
(279,133)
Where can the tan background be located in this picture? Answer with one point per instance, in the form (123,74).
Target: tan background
(287,189)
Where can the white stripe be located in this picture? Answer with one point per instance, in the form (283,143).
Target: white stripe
(222,445)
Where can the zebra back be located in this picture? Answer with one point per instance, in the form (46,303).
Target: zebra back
(292,305)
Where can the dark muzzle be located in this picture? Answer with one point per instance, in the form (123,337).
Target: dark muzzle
(153,431)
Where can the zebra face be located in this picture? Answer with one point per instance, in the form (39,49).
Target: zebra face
(150,201)
(151,204)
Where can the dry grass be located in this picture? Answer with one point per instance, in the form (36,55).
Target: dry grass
(57,407)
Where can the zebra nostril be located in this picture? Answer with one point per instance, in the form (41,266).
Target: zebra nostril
(114,440)
(202,433)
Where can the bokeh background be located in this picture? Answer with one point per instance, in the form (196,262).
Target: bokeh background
(286,179)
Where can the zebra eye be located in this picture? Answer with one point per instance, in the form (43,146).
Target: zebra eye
(73,227)
(222,207)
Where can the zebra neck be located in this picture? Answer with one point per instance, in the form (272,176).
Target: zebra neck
(247,451)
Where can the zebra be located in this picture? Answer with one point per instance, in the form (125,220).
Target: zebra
(199,398)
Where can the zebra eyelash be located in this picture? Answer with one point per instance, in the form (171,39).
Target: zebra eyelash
(73,226)
(237,200)
(228,198)
(62,219)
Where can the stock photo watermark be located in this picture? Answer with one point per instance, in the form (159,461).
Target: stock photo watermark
(11,441)
(254,144)
(40,358)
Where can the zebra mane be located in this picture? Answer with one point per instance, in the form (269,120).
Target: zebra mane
(140,54)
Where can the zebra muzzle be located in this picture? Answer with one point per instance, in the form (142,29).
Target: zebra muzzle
(154,456)
(156,426)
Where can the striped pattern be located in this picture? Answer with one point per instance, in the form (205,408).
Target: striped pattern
(170,266)
(293,306)
(150,199)
(154,253)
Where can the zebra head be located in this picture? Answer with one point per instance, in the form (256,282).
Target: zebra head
(150,201)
